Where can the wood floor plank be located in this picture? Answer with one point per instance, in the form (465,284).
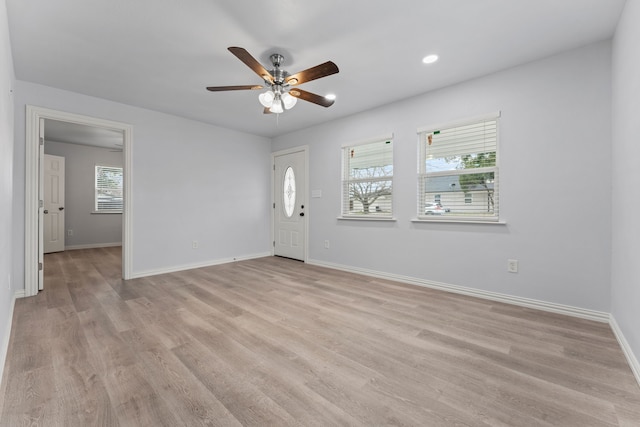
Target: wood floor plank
(81,397)
(248,404)
(159,321)
(322,368)
(183,394)
(26,398)
(250,367)
(134,400)
(276,342)
(292,395)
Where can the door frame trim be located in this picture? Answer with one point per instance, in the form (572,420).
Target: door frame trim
(305,150)
(32,197)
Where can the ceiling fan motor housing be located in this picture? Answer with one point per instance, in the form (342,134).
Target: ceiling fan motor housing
(276,59)
(278,74)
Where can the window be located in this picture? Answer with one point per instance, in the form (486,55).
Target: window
(108,186)
(289,192)
(459,170)
(367,179)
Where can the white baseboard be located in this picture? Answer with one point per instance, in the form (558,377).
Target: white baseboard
(173,269)
(7,335)
(568,310)
(92,246)
(626,348)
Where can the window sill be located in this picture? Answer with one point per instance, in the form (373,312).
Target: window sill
(106,212)
(366,218)
(458,221)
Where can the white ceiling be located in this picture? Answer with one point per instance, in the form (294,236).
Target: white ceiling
(161,54)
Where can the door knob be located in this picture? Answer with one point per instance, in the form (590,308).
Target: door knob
(301,213)
(61,208)
(46,211)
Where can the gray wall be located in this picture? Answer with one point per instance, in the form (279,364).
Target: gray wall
(6,183)
(625,305)
(89,229)
(555,186)
(191,181)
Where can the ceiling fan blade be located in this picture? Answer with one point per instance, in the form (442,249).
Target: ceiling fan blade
(251,62)
(243,87)
(311,97)
(313,73)
(267,111)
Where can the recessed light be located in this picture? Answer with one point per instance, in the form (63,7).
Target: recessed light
(330,96)
(430,59)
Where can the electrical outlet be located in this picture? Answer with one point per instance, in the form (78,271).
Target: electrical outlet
(69,233)
(194,244)
(512,265)
(326,244)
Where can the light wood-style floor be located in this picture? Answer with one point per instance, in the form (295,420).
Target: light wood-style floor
(276,342)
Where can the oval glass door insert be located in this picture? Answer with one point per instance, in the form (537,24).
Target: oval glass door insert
(289,192)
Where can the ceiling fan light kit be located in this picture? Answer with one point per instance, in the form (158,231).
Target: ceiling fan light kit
(266,98)
(277,101)
(280,96)
(288,100)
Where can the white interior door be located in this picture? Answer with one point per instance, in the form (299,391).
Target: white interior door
(289,205)
(53,214)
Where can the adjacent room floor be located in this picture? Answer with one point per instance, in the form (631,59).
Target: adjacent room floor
(276,342)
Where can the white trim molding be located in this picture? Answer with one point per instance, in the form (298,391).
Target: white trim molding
(32,157)
(626,349)
(568,310)
(92,246)
(198,265)
(7,334)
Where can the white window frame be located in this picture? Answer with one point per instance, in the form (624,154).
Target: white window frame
(347,180)
(450,214)
(97,189)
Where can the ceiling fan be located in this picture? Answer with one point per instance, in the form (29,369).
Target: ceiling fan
(281,95)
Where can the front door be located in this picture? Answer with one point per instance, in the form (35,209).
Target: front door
(290,205)
(53,214)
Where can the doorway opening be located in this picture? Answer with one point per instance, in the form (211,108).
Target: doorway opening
(37,118)
(85,210)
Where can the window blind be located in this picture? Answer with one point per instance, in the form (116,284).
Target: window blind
(458,171)
(473,138)
(108,189)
